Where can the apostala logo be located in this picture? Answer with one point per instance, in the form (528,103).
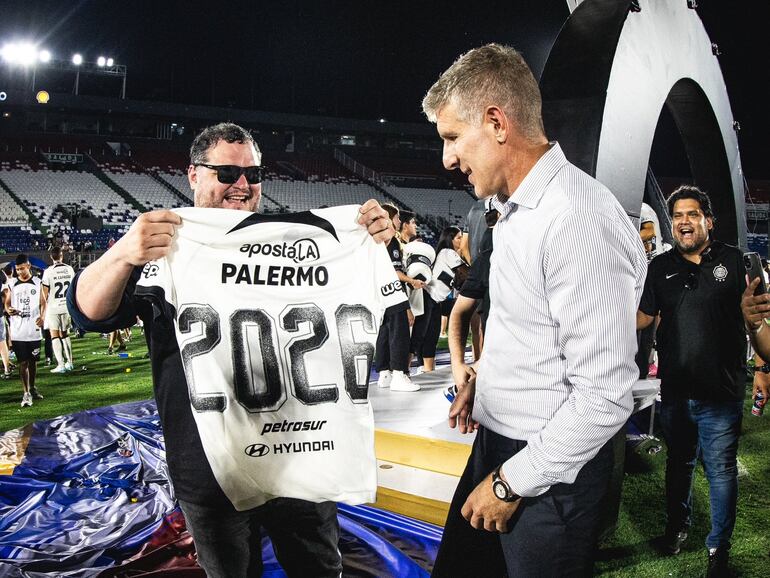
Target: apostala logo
(301,251)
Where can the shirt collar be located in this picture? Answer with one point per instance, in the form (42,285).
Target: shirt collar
(531,189)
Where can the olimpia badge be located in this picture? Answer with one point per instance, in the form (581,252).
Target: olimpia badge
(720,272)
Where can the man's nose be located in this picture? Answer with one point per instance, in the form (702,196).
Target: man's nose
(241,182)
(449,158)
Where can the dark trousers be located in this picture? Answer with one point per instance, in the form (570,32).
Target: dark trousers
(305,538)
(422,331)
(709,430)
(553,534)
(392,350)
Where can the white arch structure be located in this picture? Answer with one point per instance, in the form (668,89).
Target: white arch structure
(609,75)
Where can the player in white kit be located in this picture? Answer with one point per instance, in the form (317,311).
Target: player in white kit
(53,309)
(22,304)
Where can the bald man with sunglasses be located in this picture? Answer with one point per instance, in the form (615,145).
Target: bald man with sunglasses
(225,171)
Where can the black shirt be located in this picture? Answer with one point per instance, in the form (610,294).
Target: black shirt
(188,466)
(701,337)
(395,254)
(476,286)
(397,258)
(476,225)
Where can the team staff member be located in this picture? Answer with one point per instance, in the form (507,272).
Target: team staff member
(474,297)
(696,288)
(756,313)
(392,352)
(448,269)
(408,230)
(554,381)
(224,172)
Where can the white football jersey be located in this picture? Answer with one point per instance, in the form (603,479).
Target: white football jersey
(57,278)
(442,282)
(25,298)
(276,317)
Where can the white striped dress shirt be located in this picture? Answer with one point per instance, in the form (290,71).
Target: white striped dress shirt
(558,365)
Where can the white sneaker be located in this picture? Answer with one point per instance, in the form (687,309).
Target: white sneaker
(26,400)
(418,371)
(59,369)
(385,378)
(68,366)
(401,382)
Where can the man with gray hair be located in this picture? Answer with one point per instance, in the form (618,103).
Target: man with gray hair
(553,384)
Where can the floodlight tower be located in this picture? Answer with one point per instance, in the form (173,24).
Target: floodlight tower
(28,56)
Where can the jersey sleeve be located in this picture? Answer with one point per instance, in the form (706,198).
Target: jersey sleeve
(46,282)
(125,316)
(453,259)
(396,255)
(390,292)
(156,285)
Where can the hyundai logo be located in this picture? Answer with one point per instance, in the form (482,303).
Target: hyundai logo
(257,450)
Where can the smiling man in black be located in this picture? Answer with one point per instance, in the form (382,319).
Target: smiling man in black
(696,289)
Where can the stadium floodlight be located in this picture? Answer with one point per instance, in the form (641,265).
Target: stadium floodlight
(110,62)
(7,52)
(44,56)
(77,59)
(23,53)
(101,61)
(383,120)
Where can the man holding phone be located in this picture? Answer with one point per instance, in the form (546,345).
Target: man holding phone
(696,289)
(755,305)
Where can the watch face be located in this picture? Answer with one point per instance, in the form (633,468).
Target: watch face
(500,490)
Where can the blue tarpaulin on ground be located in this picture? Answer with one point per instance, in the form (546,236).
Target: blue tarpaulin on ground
(91,493)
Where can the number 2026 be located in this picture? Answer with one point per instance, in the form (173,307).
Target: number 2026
(356,355)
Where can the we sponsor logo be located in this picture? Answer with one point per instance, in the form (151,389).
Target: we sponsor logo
(391,288)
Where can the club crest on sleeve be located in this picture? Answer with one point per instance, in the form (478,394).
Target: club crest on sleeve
(150,270)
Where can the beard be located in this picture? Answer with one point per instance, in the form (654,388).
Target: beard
(694,245)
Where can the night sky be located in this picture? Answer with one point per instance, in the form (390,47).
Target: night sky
(355,59)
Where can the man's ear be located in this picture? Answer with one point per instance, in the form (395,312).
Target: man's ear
(192,175)
(498,122)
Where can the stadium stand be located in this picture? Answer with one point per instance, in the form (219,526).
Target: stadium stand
(451,205)
(40,188)
(141,185)
(17,239)
(302,196)
(11,213)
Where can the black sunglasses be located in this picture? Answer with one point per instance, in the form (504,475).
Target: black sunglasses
(228,174)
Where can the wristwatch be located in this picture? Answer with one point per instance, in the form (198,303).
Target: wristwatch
(763,368)
(501,488)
